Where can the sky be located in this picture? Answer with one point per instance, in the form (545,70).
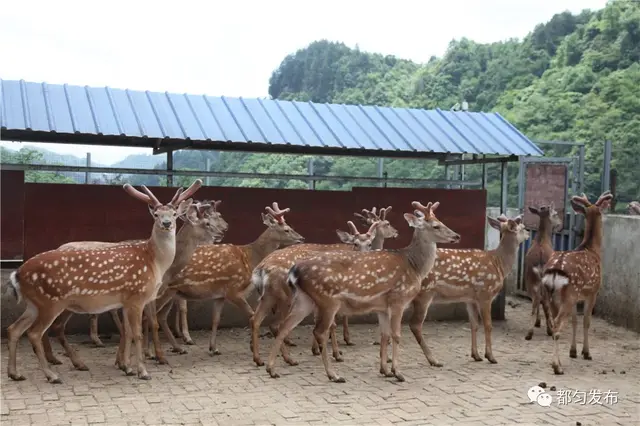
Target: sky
(230,48)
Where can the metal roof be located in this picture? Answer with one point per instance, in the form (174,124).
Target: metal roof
(102,115)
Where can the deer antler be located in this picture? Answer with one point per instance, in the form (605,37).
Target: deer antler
(276,212)
(353,228)
(180,195)
(384,212)
(582,199)
(604,201)
(154,199)
(634,207)
(140,196)
(373,227)
(426,210)
(502,218)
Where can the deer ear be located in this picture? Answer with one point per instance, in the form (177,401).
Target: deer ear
(151,209)
(578,208)
(412,220)
(191,215)
(184,206)
(533,210)
(512,225)
(494,223)
(267,219)
(345,237)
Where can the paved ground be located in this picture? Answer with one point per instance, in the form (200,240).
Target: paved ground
(230,390)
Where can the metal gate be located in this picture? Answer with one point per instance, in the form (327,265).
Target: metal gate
(540,182)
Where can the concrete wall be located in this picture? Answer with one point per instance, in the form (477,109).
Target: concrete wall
(619,297)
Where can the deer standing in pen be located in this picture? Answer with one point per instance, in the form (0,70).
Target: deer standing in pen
(270,276)
(537,256)
(223,272)
(633,208)
(574,276)
(98,280)
(384,282)
(472,276)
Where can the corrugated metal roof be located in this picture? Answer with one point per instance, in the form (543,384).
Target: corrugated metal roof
(35,108)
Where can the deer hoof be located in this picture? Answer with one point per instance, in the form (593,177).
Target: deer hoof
(98,344)
(549,332)
(376,343)
(272,373)
(129,371)
(586,355)
(189,342)
(144,377)
(537,324)
(529,335)
(337,379)
(436,364)
(17,377)
(315,351)
(259,362)
(476,357)
(55,381)
(54,361)
(162,361)
(557,370)
(289,343)
(491,359)
(338,358)
(573,353)
(399,377)
(81,367)
(349,343)
(214,352)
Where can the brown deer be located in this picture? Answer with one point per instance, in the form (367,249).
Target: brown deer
(98,280)
(223,272)
(633,208)
(537,256)
(472,276)
(384,281)
(269,279)
(574,276)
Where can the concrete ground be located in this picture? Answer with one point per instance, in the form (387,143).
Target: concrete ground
(230,390)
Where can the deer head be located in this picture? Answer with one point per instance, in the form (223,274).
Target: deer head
(428,225)
(165,215)
(633,208)
(280,232)
(507,226)
(360,242)
(549,212)
(582,205)
(385,229)
(205,218)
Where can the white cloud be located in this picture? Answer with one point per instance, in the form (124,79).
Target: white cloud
(231,48)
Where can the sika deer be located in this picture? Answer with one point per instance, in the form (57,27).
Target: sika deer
(472,276)
(576,275)
(269,279)
(223,272)
(537,256)
(384,281)
(633,208)
(98,280)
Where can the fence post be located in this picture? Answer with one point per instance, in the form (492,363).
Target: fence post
(499,303)
(606,169)
(311,172)
(380,171)
(207,178)
(169,168)
(87,175)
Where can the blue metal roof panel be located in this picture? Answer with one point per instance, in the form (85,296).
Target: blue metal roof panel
(65,109)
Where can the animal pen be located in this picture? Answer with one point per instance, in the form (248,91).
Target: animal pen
(165,123)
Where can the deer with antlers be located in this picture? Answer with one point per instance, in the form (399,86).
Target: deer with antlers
(384,282)
(223,272)
(98,280)
(472,276)
(537,256)
(269,279)
(574,276)
(633,208)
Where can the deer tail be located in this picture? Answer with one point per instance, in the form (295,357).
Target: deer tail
(538,271)
(259,280)
(293,277)
(14,286)
(554,279)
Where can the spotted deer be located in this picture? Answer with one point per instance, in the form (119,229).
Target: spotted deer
(574,276)
(633,208)
(472,276)
(352,283)
(96,281)
(537,256)
(223,272)
(270,279)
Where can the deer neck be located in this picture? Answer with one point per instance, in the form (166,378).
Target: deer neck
(544,231)
(592,239)
(506,252)
(421,254)
(163,246)
(378,242)
(187,240)
(264,245)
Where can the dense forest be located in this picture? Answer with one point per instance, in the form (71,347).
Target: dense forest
(574,78)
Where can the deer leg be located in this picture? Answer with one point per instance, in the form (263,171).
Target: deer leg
(337,355)
(267,301)
(535,312)
(472,312)
(486,319)
(177,330)
(145,337)
(218,305)
(559,322)
(316,349)
(152,321)
(321,332)
(345,331)
(420,309)
(46,344)
(134,315)
(163,315)
(573,352)
(396,329)
(45,318)
(116,320)
(58,327)
(384,324)
(548,313)
(14,333)
(301,306)
(124,351)
(93,331)
(184,322)
(586,323)
(241,303)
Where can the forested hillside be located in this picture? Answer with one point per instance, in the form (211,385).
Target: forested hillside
(574,78)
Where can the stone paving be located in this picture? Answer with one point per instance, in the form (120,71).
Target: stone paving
(230,390)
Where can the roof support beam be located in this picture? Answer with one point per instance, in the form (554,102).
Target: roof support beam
(477,160)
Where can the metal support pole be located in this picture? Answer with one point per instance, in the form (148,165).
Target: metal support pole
(169,168)
(380,170)
(581,155)
(606,167)
(446,174)
(87,175)
(484,174)
(499,303)
(207,179)
(311,172)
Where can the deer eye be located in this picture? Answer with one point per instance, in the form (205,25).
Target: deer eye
(436,226)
